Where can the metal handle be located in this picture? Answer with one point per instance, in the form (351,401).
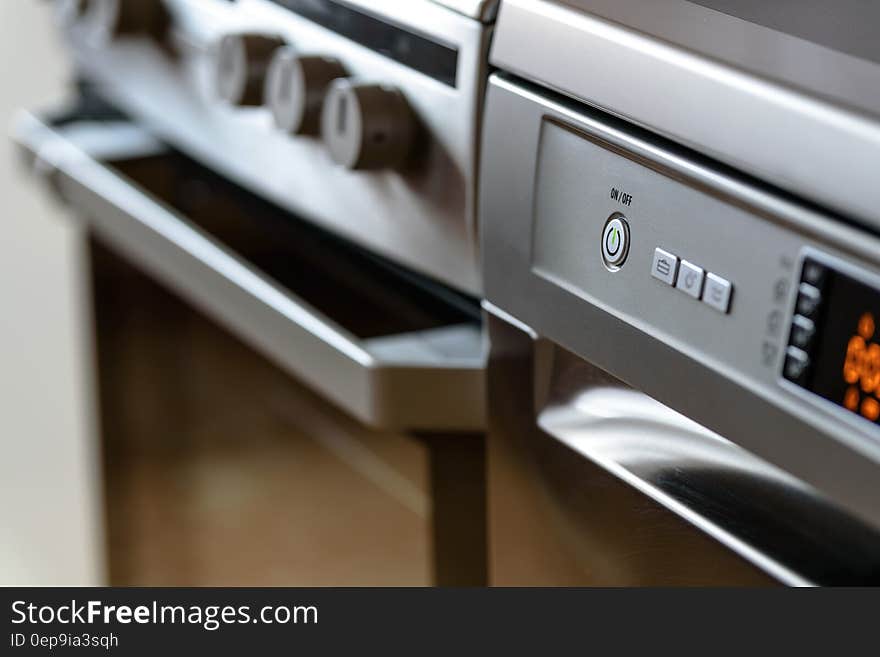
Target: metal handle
(427,380)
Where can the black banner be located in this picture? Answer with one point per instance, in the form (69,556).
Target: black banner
(417,621)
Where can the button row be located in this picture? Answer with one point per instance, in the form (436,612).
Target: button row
(692,280)
(804,322)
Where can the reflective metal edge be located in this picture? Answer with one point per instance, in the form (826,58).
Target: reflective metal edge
(664,439)
(827,151)
(414,385)
(481,10)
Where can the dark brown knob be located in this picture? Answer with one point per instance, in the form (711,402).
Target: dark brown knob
(367,126)
(295,89)
(241,64)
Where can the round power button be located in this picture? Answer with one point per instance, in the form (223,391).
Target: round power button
(615,242)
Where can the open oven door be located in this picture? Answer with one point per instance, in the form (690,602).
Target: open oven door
(389,349)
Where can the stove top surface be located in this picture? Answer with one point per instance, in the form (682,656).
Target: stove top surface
(848,26)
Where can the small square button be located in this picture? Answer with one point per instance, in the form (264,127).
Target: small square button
(665,266)
(808,300)
(690,279)
(717,293)
(796,366)
(802,332)
(813,273)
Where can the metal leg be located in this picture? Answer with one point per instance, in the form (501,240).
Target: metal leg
(458,493)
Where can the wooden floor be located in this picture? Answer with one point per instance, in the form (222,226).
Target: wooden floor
(220,470)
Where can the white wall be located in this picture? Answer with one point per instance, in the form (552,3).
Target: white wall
(50,520)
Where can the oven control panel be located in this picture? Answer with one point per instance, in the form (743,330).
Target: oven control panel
(724,282)
(738,306)
(361,116)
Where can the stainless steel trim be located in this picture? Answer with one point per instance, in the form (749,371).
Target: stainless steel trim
(508,318)
(430,380)
(800,116)
(482,10)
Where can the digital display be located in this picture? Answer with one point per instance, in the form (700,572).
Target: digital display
(845,361)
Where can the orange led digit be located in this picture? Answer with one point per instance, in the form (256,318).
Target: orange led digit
(852,365)
(871,368)
(852,398)
(870,408)
(866,326)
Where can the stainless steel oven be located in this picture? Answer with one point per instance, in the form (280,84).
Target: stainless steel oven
(659,218)
(303,173)
(681,389)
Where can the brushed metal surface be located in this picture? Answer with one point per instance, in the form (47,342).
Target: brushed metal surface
(594,483)
(482,10)
(799,115)
(849,26)
(545,199)
(423,217)
(430,380)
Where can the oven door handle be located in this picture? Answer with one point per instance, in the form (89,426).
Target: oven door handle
(760,512)
(684,467)
(428,380)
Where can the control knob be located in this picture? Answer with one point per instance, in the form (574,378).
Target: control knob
(241,65)
(367,126)
(295,89)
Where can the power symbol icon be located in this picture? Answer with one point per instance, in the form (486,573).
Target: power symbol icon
(615,242)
